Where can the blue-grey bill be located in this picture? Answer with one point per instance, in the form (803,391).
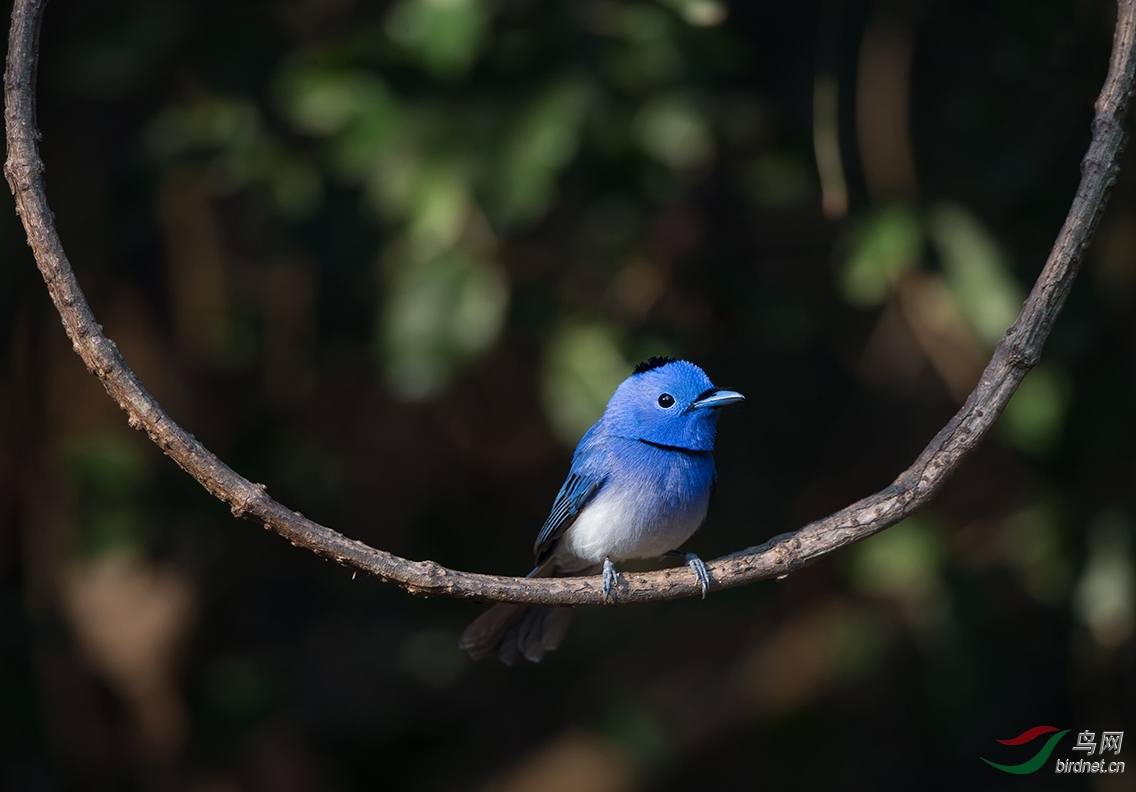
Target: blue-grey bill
(719,398)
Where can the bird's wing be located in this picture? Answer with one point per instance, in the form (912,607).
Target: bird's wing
(578,489)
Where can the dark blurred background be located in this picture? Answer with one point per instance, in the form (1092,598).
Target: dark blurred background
(391,259)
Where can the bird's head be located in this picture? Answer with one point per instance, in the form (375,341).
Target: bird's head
(668,402)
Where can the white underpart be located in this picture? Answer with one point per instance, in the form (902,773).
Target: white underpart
(627,522)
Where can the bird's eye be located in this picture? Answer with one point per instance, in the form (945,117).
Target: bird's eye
(666,401)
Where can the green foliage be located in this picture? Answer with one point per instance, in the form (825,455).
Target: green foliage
(976,270)
(1035,416)
(883,245)
(543,141)
(110,463)
(227,135)
(111,473)
(446,172)
(1030,541)
(441,309)
(446,36)
(673,129)
(904,562)
(1106,593)
(780,180)
(582,369)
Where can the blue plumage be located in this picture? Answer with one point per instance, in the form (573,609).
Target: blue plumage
(639,486)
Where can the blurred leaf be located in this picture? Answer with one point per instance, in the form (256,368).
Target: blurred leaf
(439,311)
(445,34)
(296,187)
(431,195)
(1031,543)
(976,271)
(543,142)
(321,101)
(1106,593)
(674,130)
(780,180)
(111,463)
(700,13)
(362,119)
(203,125)
(376,139)
(903,561)
(884,245)
(114,471)
(650,57)
(225,137)
(440,203)
(114,529)
(1035,416)
(376,135)
(391,181)
(583,366)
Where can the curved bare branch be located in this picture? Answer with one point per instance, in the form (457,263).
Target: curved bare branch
(912,490)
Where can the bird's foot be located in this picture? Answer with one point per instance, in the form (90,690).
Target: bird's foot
(610,578)
(699,569)
(697,566)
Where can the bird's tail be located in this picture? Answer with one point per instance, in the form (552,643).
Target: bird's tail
(510,631)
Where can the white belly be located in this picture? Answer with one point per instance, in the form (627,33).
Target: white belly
(626,523)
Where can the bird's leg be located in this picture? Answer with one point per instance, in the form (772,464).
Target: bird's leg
(610,578)
(697,566)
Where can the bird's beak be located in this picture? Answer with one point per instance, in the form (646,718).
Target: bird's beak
(717,397)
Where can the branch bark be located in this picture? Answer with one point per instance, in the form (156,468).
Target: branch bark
(912,490)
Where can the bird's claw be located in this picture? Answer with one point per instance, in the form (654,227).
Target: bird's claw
(698,567)
(610,578)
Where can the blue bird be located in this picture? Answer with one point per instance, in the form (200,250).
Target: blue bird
(639,486)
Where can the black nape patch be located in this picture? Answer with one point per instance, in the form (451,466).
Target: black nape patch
(653,363)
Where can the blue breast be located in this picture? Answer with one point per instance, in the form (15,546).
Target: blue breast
(652,500)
